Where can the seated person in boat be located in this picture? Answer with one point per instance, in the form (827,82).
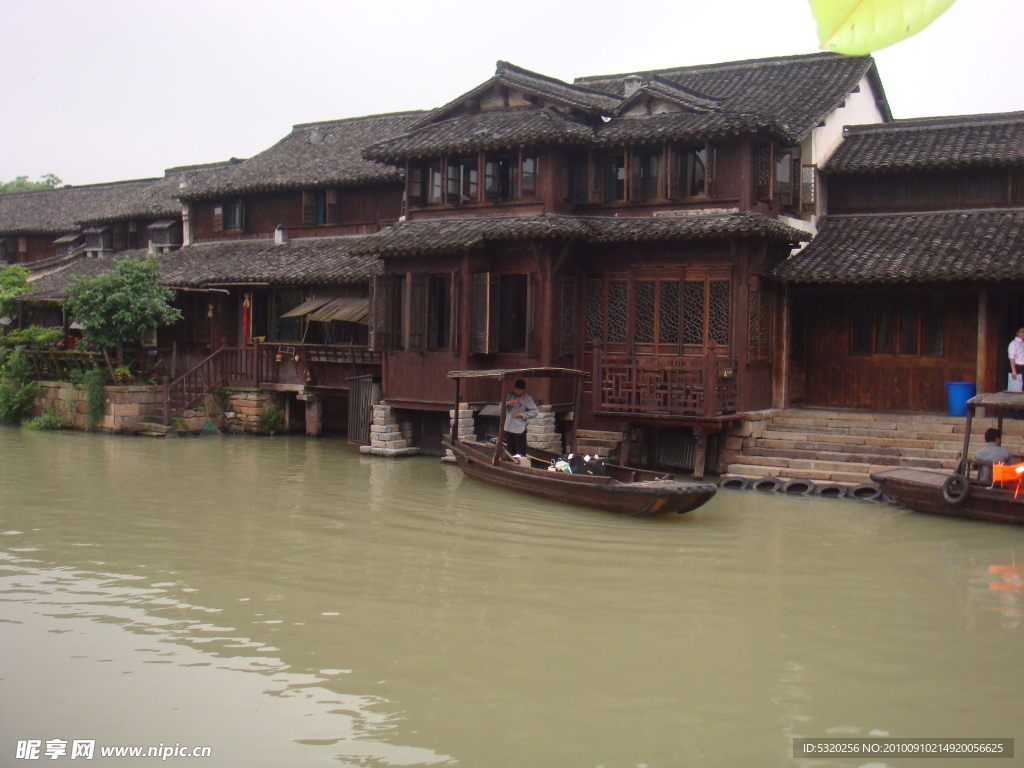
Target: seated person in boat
(992,452)
(518,409)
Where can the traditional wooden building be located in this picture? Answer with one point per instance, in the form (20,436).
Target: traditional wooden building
(915,276)
(42,228)
(623,224)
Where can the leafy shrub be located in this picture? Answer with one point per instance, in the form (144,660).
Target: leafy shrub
(33,336)
(17,388)
(49,419)
(271,421)
(123,374)
(93,381)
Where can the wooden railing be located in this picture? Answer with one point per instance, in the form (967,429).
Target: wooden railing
(58,364)
(226,366)
(327,365)
(682,387)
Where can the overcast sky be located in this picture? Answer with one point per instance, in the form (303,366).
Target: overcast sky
(104,90)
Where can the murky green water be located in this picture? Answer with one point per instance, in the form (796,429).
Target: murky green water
(289,602)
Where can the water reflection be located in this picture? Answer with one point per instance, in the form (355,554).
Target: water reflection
(288,601)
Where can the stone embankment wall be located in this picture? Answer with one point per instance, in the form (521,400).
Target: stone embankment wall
(245,408)
(134,409)
(126,408)
(742,434)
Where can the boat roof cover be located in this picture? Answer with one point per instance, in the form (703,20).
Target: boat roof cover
(998,401)
(515,373)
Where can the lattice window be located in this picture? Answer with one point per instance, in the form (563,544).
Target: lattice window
(618,308)
(759,325)
(808,188)
(568,342)
(693,312)
(763,173)
(718,312)
(595,310)
(668,320)
(643,332)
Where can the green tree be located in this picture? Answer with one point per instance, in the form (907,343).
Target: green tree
(22,184)
(13,283)
(116,306)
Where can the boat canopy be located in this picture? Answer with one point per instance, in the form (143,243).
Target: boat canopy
(997,401)
(505,374)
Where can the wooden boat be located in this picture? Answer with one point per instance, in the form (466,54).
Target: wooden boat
(962,493)
(626,490)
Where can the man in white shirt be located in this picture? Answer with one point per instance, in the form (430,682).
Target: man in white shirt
(1016,354)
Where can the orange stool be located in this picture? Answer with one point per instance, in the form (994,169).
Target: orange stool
(1009,473)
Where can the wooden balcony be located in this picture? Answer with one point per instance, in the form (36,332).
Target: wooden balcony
(695,388)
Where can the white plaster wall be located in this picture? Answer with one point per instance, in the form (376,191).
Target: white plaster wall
(860,109)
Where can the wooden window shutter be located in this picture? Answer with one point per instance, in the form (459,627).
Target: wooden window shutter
(808,188)
(242,216)
(218,218)
(381,313)
(308,207)
(783,182)
(416,314)
(763,173)
(634,172)
(453,328)
(486,303)
(530,346)
(567,341)
(332,206)
(597,162)
(675,169)
(709,170)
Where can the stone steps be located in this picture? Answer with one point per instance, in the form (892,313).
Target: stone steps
(847,446)
(152,429)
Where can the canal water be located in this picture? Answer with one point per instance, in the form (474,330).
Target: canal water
(288,601)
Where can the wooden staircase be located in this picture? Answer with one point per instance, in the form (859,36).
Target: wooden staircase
(847,446)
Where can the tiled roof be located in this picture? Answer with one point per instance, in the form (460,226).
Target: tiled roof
(793,92)
(67,209)
(58,211)
(447,235)
(313,155)
(931,142)
(586,100)
(484,130)
(305,261)
(300,261)
(786,97)
(672,125)
(912,247)
(658,87)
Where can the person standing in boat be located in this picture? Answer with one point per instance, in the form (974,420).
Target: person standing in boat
(519,407)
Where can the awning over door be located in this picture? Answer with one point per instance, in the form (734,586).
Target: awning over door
(308,306)
(345,309)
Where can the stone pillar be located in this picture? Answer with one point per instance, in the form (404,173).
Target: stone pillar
(541,431)
(388,437)
(314,415)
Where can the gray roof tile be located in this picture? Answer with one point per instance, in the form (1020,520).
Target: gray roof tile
(932,142)
(455,234)
(313,155)
(983,245)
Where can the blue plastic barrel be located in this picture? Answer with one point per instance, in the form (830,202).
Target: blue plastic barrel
(958,393)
